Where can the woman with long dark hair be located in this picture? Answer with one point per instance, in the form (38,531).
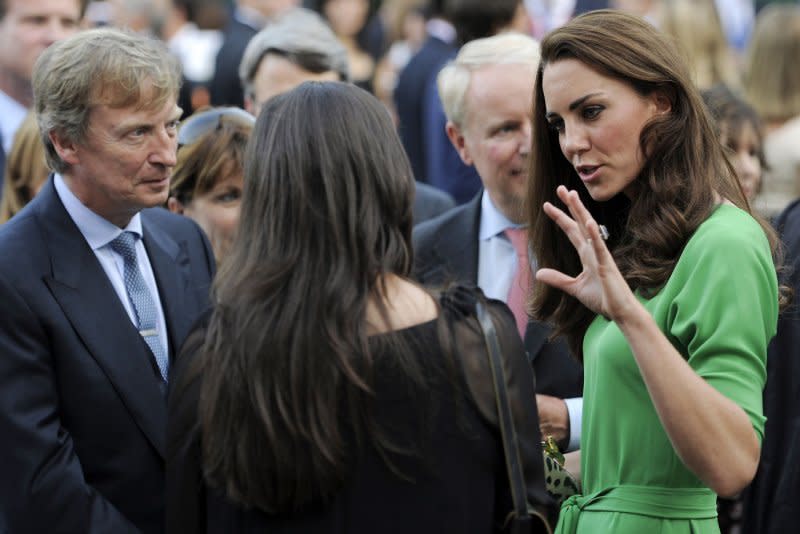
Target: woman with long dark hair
(326,392)
(656,272)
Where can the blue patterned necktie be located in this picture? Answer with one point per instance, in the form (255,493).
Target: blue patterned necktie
(141,300)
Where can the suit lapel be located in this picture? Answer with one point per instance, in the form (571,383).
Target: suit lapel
(455,255)
(88,300)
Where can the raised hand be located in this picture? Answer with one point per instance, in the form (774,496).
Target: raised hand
(600,286)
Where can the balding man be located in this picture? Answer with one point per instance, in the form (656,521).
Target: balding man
(486,94)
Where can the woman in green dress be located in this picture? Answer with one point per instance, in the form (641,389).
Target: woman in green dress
(655,271)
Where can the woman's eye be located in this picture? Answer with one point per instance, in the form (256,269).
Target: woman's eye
(229,196)
(591,112)
(556,125)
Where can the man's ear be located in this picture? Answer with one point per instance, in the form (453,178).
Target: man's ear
(174,205)
(249,105)
(457,138)
(66,148)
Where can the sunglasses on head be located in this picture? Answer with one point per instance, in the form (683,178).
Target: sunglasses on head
(204,122)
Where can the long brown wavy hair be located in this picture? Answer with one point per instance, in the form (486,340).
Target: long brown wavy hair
(685,167)
(286,363)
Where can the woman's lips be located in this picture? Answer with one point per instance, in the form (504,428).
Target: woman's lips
(588,173)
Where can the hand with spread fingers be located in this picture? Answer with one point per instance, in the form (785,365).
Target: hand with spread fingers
(600,286)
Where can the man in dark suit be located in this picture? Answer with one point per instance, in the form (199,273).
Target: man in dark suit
(486,96)
(96,294)
(438,48)
(420,115)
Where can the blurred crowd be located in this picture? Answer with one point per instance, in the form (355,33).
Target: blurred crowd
(468,151)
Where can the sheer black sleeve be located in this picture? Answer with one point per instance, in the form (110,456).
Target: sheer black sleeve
(458,305)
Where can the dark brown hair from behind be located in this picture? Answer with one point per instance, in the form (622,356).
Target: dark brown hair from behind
(326,213)
(676,190)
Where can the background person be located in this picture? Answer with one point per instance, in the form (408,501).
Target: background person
(486,96)
(27,27)
(739,130)
(26,169)
(696,27)
(207,182)
(672,315)
(298,47)
(772,87)
(246,19)
(373,395)
(97,293)
(301,47)
(419,110)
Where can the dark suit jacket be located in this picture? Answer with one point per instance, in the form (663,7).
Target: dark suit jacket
(446,250)
(82,410)
(771,502)
(409,97)
(430,202)
(225,87)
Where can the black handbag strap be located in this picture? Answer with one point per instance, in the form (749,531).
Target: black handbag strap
(510,441)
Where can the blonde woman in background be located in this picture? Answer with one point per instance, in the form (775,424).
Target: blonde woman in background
(696,28)
(26,169)
(772,86)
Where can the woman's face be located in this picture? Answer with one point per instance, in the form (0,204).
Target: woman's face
(346,17)
(745,146)
(217,211)
(599,121)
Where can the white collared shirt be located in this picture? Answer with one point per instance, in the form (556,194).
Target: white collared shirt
(497,265)
(99,233)
(12,113)
(497,260)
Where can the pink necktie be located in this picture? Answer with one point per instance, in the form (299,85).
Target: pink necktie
(521,283)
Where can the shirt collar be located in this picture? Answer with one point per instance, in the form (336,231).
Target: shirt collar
(250,17)
(13,114)
(493,222)
(97,231)
(442,30)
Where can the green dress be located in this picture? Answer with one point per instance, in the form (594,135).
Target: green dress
(719,309)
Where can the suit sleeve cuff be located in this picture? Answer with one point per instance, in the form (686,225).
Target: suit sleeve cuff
(575,411)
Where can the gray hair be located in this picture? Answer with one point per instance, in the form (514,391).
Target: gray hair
(301,36)
(99,66)
(505,48)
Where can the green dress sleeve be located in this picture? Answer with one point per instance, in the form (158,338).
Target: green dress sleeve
(724,308)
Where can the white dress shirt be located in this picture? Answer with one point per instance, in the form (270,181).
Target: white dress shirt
(497,260)
(12,113)
(497,265)
(99,233)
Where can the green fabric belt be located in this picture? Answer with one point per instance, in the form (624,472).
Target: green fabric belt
(667,503)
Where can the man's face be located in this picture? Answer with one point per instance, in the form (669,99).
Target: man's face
(125,162)
(276,75)
(496,134)
(29,27)
(271,8)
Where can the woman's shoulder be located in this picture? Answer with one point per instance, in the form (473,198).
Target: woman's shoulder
(728,228)
(460,301)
